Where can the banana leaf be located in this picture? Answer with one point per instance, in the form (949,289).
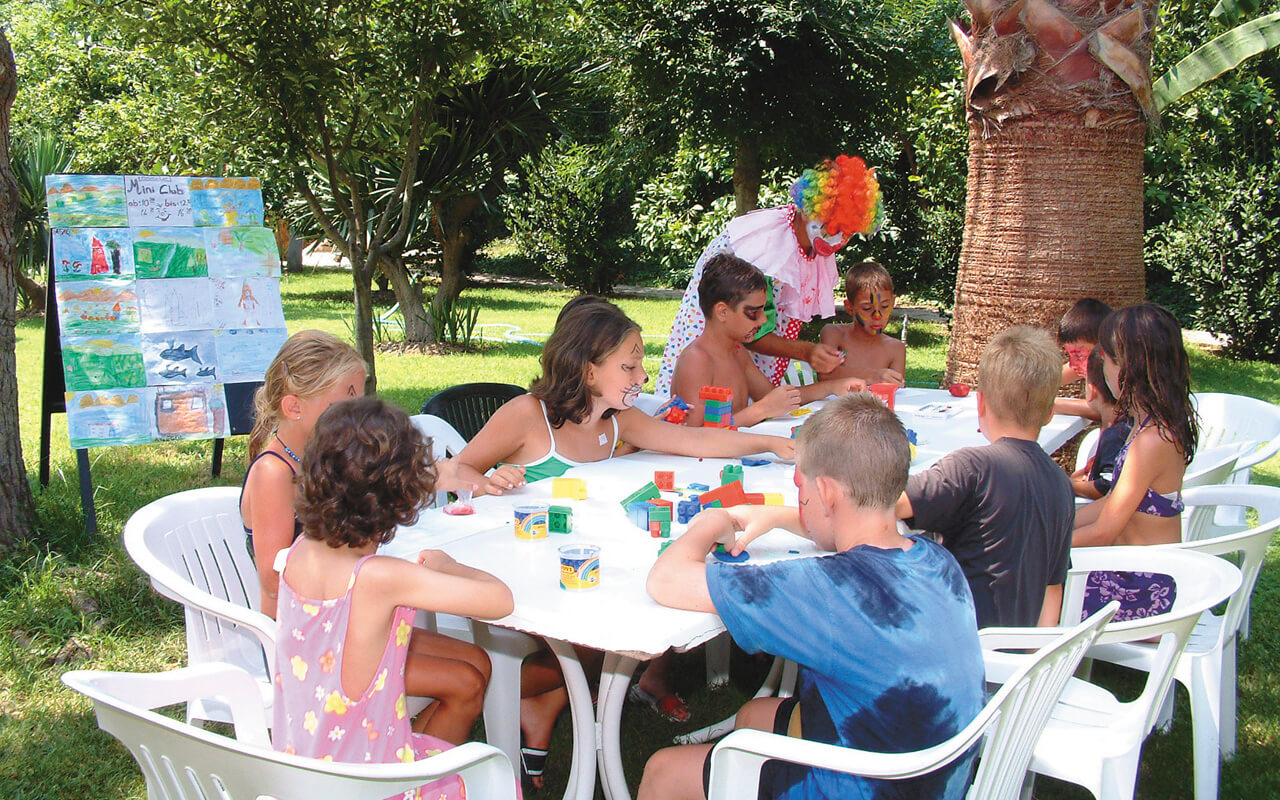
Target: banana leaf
(1218,56)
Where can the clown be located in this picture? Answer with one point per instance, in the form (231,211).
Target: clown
(795,247)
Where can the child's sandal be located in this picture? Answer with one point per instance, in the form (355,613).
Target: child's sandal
(533,761)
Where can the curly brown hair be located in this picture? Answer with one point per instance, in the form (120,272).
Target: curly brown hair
(366,471)
(1155,374)
(588,329)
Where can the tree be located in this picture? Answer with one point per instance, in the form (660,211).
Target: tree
(17,508)
(1058,97)
(347,88)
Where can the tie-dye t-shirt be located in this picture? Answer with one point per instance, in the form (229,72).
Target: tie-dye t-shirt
(888,651)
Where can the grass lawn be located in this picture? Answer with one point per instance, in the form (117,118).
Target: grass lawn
(66,601)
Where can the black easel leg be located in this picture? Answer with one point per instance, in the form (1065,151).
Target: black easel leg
(44,448)
(217,457)
(86,493)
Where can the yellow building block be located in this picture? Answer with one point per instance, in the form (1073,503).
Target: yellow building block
(773,499)
(572,488)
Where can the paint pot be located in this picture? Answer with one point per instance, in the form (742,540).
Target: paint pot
(531,522)
(579,566)
(884,392)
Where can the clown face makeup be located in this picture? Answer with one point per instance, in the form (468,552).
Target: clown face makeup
(620,377)
(1078,358)
(871,309)
(824,244)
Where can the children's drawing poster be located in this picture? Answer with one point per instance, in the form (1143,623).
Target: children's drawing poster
(85,201)
(158,200)
(168,302)
(92,252)
(226,202)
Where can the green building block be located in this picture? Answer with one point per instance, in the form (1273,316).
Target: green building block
(660,514)
(730,473)
(645,493)
(560,519)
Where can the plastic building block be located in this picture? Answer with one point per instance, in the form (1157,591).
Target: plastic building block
(638,513)
(754,499)
(665,480)
(660,514)
(795,429)
(560,519)
(660,530)
(773,499)
(754,462)
(730,473)
(677,416)
(662,548)
(723,554)
(730,494)
(674,411)
(717,406)
(697,487)
(911,437)
(721,393)
(688,509)
(570,488)
(646,492)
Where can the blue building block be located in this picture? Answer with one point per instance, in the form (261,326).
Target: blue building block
(698,487)
(754,462)
(687,509)
(638,513)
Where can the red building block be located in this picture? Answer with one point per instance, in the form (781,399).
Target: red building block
(730,494)
(754,499)
(716,393)
(665,480)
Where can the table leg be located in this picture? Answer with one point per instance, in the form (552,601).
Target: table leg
(582,775)
(615,677)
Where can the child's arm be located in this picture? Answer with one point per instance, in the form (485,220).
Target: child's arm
(767,401)
(270,488)
(678,578)
(647,433)
(1069,375)
(438,583)
(753,521)
(822,357)
(1074,406)
(1051,608)
(502,437)
(819,390)
(1084,487)
(1103,522)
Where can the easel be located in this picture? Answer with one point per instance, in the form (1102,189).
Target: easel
(54,401)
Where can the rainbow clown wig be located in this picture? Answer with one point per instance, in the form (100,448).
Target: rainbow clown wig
(842,196)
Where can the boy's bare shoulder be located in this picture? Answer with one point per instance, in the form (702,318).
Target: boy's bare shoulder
(892,344)
(834,332)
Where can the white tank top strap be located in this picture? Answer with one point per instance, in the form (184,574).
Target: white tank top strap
(614,444)
(550,433)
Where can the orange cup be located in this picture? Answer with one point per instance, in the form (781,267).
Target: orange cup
(885,392)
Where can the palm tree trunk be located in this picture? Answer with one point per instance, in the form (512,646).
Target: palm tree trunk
(1053,214)
(17,508)
(746,177)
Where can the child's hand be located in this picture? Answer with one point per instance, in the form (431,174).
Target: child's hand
(851,385)
(780,401)
(749,523)
(437,560)
(504,479)
(783,448)
(887,375)
(825,358)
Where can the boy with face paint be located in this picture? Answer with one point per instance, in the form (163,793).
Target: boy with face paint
(732,296)
(882,625)
(869,353)
(1078,335)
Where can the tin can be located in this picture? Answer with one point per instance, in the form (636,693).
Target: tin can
(531,522)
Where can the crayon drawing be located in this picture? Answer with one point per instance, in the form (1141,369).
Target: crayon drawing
(105,305)
(191,412)
(157,200)
(95,361)
(175,304)
(85,201)
(226,201)
(180,357)
(92,252)
(169,253)
(242,252)
(109,417)
(247,303)
(245,353)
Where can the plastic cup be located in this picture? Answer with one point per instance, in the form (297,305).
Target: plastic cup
(579,567)
(531,522)
(884,391)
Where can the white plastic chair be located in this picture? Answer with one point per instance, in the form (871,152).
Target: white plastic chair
(1087,445)
(181,761)
(1208,665)
(1011,722)
(1228,418)
(444,439)
(799,373)
(192,546)
(1093,739)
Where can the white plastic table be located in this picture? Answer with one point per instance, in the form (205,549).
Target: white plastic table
(618,617)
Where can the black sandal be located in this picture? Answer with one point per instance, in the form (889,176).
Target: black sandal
(532,762)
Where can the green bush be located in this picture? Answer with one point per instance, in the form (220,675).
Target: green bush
(574,216)
(1222,247)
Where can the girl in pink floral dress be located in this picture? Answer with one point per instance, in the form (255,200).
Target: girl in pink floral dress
(346,613)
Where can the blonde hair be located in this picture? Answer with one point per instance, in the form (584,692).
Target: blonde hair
(859,443)
(309,364)
(1019,375)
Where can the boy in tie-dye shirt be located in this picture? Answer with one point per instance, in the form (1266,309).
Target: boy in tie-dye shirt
(883,627)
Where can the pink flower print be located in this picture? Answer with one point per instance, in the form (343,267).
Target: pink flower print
(319,693)
(327,662)
(298,635)
(405,753)
(335,703)
(336,733)
(401,707)
(403,632)
(299,668)
(310,722)
(311,610)
(328,626)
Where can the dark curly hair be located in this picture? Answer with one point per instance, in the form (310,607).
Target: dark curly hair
(366,471)
(1155,375)
(588,329)
(728,279)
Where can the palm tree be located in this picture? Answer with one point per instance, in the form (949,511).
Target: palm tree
(1058,96)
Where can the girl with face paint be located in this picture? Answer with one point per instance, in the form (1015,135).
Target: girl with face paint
(794,246)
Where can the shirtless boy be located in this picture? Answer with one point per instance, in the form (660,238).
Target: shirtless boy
(869,353)
(732,296)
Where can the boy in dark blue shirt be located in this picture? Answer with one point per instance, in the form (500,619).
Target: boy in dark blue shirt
(883,628)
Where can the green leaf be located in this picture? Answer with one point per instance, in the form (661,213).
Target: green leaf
(1218,56)
(1230,12)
